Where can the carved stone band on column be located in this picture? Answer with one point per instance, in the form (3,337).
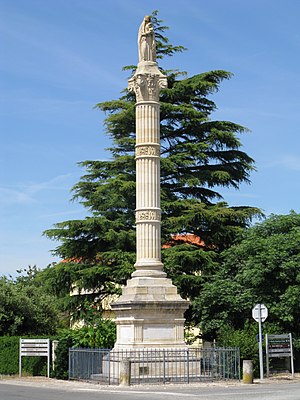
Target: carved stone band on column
(147,215)
(152,150)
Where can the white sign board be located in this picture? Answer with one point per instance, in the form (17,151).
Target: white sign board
(34,348)
(260,311)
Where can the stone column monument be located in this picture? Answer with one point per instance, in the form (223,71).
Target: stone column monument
(149,313)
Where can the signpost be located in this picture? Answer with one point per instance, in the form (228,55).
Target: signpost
(34,348)
(260,314)
(279,346)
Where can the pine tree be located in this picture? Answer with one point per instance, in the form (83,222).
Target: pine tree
(198,157)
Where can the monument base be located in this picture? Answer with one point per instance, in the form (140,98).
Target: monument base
(149,314)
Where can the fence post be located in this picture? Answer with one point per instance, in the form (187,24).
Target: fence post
(247,371)
(238,363)
(125,372)
(109,367)
(70,367)
(188,365)
(164,366)
(213,361)
(54,347)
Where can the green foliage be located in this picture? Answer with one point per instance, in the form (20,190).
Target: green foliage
(163,46)
(61,366)
(94,281)
(34,366)
(262,268)
(244,339)
(198,156)
(25,308)
(100,335)
(9,355)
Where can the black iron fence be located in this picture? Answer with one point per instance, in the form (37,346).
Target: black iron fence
(155,365)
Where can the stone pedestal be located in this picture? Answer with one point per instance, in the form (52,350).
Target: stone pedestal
(149,312)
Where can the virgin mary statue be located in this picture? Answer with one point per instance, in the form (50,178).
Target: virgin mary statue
(146,41)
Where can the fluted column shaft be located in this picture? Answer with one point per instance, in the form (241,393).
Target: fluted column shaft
(146,83)
(148,186)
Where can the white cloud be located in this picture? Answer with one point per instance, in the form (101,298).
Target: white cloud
(288,161)
(26,193)
(13,196)
(56,183)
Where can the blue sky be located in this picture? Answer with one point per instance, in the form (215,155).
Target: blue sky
(59,58)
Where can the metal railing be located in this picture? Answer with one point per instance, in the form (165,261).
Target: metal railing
(155,365)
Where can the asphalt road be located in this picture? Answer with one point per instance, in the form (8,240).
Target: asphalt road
(53,390)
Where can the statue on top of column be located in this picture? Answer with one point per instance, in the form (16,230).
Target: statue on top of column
(146,41)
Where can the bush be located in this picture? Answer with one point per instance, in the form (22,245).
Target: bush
(101,335)
(9,355)
(245,340)
(61,366)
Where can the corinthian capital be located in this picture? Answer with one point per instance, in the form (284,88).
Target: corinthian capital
(147,86)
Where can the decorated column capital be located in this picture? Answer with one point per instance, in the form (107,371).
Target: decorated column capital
(147,85)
